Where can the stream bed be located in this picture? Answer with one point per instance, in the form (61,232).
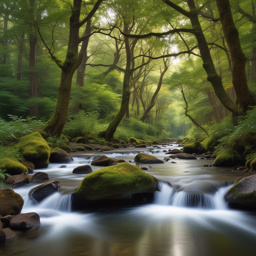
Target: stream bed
(169,226)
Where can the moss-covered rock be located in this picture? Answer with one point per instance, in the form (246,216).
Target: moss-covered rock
(11,203)
(106,161)
(80,148)
(243,193)
(87,147)
(65,147)
(121,180)
(147,159)
(64,138)
(35,149)
(80,140)
(195,147)
(12,167)
(134,140)
(227,158)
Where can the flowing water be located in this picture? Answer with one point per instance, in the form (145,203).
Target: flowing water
(188,218)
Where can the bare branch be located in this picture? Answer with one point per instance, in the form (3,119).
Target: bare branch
(177,8)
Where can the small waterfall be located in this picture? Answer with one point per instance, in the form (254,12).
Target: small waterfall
(56,201)
(193,199)
(163,197)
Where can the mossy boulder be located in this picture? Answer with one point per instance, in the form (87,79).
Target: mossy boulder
(195,147)
(12,167)
(184,156)
(87,147)
(35,149)
(134,140)
(65,147)
(80,140)
(147,159)
(227,158)
(243,192)
(106,161)
(11,203)
(115,182)
(80,148)
(251,164)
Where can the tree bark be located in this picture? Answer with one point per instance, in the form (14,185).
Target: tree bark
(208,65)
(20,59)
(32,74)
(244,100)
(153,99)
(108,134)
(5,41)
(72,61)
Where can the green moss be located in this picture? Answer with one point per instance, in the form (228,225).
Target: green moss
(35,149)
(64,138)
(195,147)
(145,158)
(12,167)
(114,180)
(253,165)
(226,158)
(134,140)
(80,140)
(87,147)
(209,143)
(80,148)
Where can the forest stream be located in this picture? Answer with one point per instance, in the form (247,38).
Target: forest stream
(169,226)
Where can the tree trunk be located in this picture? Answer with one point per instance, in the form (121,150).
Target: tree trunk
(5,41)
(82,67)
(237,56)
(32,74)
(20,59)
(72,61)
(253,68)
(208,65)
(153,99)
(108,134)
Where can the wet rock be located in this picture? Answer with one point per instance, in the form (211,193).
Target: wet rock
(166,159)
(87,147)
(147,159)
(25,220)
(2,234)
(42,191)
(63,166)
(11,203)
(185,156)
(17,179)
(84,169)
(174,151)
(208,187)
(80,148)
(115,146)
(173,162)
(106,148)
(8,233)
(144,167)
(106,161)
(164,151)
(40,177)
(30,166)
(60,156)
(241,168)
(243,192)
(207,165)
(6,220)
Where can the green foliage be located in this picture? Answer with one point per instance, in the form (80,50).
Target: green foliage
(82,122)
(10,152)
(3,176)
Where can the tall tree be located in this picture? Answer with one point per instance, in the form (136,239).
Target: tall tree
(72,61)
